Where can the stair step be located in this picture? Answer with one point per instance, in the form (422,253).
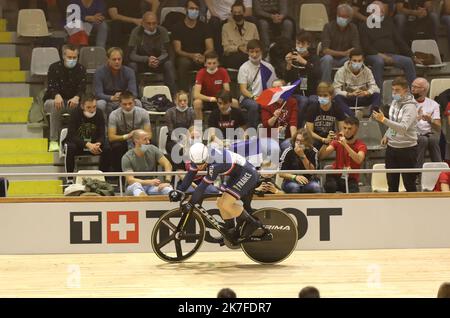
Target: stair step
(13,117)
(6,37)
(3,24)
(15,103)
(35,187)
(12,76)
(23,145)
(9,64)
(30,158)
(7,50)
(14,90)
(22,130)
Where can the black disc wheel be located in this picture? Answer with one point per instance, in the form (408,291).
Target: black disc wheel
(171,245)
(284,233)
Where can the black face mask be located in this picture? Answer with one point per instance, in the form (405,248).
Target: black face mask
(417,96)
(238,18)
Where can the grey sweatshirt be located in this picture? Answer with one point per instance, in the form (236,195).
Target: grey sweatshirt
(345,81)
(402,132)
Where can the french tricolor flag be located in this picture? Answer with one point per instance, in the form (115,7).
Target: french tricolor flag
(272,95)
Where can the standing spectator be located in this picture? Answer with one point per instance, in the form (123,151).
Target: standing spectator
(226,293)
(111,80)
(309,292)
(125,16)
(355,85)
(180,116)
(94,13)
(149,47)
(145,158)
(273,16)
(121,125)
(303,64)
(300,155)
(236,34)
(325,117)
(254,76)
(401,137)
(86,134)
(281,115)
(384,46)
(443,183)
(66,84)
(445,19)
(191,41)
(444,290)
(428,122)
(414,16)
(209,81)
(350,154)
(339,38)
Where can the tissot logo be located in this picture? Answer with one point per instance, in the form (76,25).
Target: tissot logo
(123,227)
(85,227)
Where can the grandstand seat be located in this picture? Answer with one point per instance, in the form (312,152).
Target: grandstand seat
(166,10)
(438,85)
(32,23)
(387,92)
(370,132)
(163,139)
(150,91)
(42,58)
(379,180)
(313,17)
(92,57)
(429,179)
(430,47)
(79,179)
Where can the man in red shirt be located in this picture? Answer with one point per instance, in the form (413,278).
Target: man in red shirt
(350,153)
(209,81)
(443,183)
(281,115)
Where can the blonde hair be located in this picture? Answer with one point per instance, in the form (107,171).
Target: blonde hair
(325,88)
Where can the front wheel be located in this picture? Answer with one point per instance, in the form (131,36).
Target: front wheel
(172,245)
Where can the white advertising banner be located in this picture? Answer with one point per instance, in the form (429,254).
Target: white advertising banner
(109,227)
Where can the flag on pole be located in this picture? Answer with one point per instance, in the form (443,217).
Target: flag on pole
(272,95)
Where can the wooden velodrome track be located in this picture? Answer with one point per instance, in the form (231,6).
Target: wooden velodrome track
(339,273)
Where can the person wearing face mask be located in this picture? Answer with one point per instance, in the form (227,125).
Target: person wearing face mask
(121,125)
(192,40)
(145,158)
(428,122)
(401,136)
(66,84)
(236,33)
(324,117)
(350,154)
(355,85)
(149,45)
(209,81)
(86,134)
(339,38)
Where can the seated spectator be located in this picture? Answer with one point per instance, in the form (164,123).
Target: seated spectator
(111,80)
(339,38)
(226,119)
(443,183)
(401,136)
(4,184)
(267,184)
(254,76)
(236,34)
(191,41)
(145,158)
(385,46)
(325,117)
(226,293)
(350,154)
(428,123)
(126,15)
(86,135)
(303,64)
(281,115)
(445,19)
(93,12)
(355,85)
(149,45)
(121,125)
(209,81)
(300,155)
(273,16)
(66,84)
(180,116)
(309,292)
(444,291)
(416,17)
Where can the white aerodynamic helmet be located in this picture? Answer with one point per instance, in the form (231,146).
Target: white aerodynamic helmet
(198,153)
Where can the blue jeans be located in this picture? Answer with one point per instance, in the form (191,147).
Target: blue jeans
(102,33)
(302,107)
(403,62)
(136,189)
(294,187)
(327,62)
(446,21)
(252,108)
(345,102)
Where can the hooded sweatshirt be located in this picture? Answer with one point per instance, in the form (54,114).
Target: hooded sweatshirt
(402,132)
(345,81)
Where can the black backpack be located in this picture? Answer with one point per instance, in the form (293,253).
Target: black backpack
(158,102)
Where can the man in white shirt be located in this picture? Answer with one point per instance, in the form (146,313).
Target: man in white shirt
(428,122)
(254,76)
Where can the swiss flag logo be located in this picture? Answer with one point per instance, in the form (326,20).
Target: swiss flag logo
(123,227)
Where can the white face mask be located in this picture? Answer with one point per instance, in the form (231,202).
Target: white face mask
(213,71)
(181,109)
(89,114)
(255,60)
(127,112)
(150,32)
